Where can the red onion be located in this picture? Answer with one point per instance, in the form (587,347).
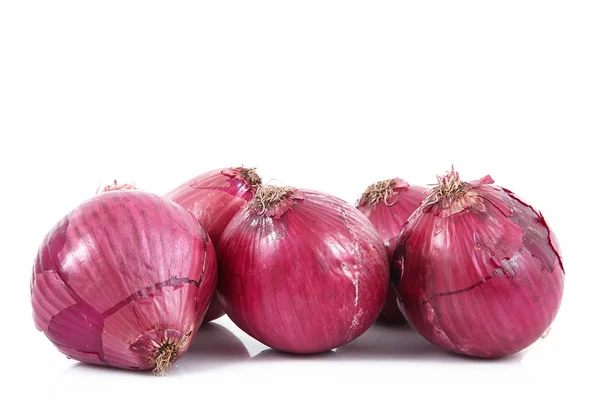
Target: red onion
(214,198)
(480,272)
(124,280)
(388,204)
(301,271)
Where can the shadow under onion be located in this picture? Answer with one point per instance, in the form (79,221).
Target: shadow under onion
(214,346)
(400,342)
(275,355)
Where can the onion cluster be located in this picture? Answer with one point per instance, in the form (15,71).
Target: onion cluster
(127,277)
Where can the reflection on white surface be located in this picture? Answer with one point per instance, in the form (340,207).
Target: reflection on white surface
(214,346)
(381,342)
(223,345)
(274,355)
(220,354)
(401,342)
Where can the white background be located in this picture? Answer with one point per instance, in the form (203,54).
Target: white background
(328,95)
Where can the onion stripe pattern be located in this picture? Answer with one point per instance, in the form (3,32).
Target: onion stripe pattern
(301,271)
(121,275)
(214,198)
(478,271)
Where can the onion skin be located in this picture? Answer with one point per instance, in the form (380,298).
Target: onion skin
(305,275)
(214,198)
(121,274)
(480,273)
(391,313)
(388,204)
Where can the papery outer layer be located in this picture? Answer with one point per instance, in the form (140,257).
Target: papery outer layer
(388,215)
(214,198)
(479,275)
(305,276)
(46,308)
(174,307)
(118,250)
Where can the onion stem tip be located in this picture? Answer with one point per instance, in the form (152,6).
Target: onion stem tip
(164,357)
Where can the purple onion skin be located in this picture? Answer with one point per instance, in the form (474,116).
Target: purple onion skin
(215,309)
(388,215)
(390,313)
(214,198)
(306,276)
(481,274)
(121,271)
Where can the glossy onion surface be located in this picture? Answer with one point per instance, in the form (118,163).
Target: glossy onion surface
(388,204)
(479,270)
(304,275)
(214,198)
(123,280)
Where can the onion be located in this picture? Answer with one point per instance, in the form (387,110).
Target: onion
(480,272)
(388,204)
(123,280)
(301,271)
(214,198)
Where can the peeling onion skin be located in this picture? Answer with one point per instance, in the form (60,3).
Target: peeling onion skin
(214,198)
(479,272)
(388,204)
(121,274)
(304,276)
